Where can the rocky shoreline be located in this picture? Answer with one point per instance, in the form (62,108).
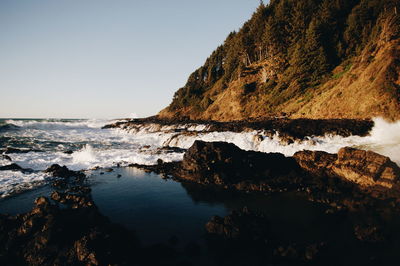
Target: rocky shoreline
(288,129)
(358,189)
(361,186)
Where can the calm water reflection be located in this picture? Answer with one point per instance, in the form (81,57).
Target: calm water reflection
(158,209)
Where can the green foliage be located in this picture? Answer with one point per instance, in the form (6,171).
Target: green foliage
(340,74)
(308,37)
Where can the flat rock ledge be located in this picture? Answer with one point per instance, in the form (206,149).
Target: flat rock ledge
(371,171)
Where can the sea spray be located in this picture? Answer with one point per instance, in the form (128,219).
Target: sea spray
(85,157)
(82,144)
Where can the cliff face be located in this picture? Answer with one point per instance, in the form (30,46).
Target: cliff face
(310,58)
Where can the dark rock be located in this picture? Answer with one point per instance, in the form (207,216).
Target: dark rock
(69,152)
(59,183)
(13,167)
(292,129)
(48,235)
(63,172)
(369,233)
(6,157)
(248,235)
(80,200)
(9,150)
(42,201)
(168,149)
(108,170)
(242,224)
(224,164)
(162,168)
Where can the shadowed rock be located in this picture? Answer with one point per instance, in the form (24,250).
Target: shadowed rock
(62,171)
(240,224)
(13,167)
(224,163)
(6,157)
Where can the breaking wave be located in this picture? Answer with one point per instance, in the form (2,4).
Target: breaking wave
(82,145)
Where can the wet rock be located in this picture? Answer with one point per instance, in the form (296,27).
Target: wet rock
(9,150)
(162,168)
(293,129)
(76,197)
(168,149)
(12,167)
(248,235)
(69,152)
(240,225)
(224,163)
(59,183)
(108,170)
(49,235)
(63,172)
(42,201)
(369,233)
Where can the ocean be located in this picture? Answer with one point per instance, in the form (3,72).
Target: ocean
(82,144)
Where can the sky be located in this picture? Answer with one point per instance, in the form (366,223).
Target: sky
(106,58)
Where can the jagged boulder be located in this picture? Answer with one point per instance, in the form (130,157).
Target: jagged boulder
(63,172)
(225,163)
(367,169)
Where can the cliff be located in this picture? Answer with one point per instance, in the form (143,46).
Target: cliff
(308,59)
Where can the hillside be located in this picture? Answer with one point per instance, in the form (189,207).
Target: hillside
(309,58)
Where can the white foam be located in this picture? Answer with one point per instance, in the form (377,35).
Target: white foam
(59,123)
(14,181)
(109,147)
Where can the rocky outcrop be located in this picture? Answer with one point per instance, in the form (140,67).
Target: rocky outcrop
(9,150)
(224,163)
(369,170)
(13,167)
(288,129)
(242,224)
(5,157)
(249,234)
(62,171)
(62,233)
(49,235)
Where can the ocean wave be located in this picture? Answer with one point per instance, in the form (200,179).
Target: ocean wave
(12,182)
(48,124)
(8,127)
(94,147)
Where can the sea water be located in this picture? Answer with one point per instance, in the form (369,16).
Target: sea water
(156,209)
(82,144)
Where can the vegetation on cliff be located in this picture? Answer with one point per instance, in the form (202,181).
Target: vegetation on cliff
(309,58)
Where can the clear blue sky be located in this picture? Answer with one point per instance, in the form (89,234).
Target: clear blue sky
(106,58)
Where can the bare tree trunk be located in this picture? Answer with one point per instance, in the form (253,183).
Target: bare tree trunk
(248,58)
